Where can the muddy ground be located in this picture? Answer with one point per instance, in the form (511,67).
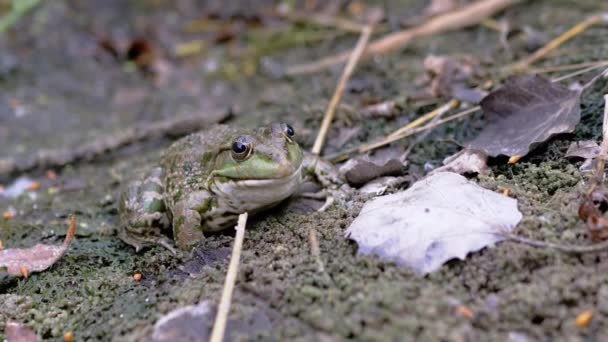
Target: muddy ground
(59,89)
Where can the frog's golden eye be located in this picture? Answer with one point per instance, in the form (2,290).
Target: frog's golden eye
(241,149)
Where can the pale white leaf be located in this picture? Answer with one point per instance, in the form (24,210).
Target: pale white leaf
(439,218)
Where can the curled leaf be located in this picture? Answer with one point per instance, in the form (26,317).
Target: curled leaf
(525,112)
(23,261)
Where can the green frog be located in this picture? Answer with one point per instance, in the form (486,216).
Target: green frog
(205,180)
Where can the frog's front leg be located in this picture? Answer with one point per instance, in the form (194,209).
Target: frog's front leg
(143,213)
(187,229)
(334,186)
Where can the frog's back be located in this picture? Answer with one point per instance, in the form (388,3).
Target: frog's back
(189,160)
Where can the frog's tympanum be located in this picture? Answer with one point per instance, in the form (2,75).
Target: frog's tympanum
(205,180)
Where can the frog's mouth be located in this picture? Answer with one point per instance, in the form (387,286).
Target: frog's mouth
(294,176)
(253,194)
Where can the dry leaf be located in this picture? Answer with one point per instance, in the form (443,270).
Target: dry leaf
(442,217)
(22,261)
(18,332)
(586,149)
(525,112)
(361,170)
(464,162)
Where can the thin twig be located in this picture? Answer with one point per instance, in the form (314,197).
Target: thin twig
(579,72)
(315,250)
(350,67)
(445,108)
(217,334)
(319,19)
(426,117)
(457,19)
(568,67)
(557,42)
(368,147)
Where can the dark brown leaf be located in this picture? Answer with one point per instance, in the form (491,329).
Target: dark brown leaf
(361,170)
(525,112)
(23,261)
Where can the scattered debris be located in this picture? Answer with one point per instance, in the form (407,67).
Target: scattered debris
(19,187)
(21,262)
(557,42)
(448,75)
(444,216)
(9,214)
(51,175)
(190,323)
(525,112)
(514,159)
(464,311)
(34,186)
(18,332)
(387,109)
(436,7)
(595,199)
(141,53)
(68,337)
(584,318)
(379,186)
(465,162)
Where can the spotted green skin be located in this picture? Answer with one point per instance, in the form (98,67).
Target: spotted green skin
(201,187)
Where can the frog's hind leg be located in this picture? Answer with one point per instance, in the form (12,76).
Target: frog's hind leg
(143,213)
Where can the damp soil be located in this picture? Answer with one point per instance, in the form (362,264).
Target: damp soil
(58,89)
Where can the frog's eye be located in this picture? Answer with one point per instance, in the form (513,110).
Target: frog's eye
(241,149)
(289,131)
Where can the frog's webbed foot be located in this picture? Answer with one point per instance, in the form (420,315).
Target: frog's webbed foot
(335,189)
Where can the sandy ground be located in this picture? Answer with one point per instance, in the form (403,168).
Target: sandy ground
(68,92)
